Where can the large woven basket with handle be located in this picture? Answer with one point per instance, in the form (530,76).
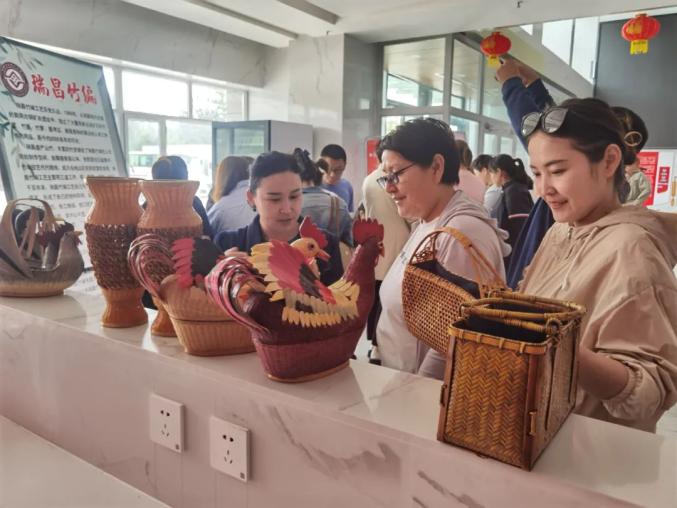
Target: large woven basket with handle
(432,296)
(511,375)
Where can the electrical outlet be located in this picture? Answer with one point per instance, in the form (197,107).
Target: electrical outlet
(166,422)
(229,448)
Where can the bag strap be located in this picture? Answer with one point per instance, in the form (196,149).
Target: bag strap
(485,273)
(333,218)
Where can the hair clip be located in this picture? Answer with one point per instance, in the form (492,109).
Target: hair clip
(633,138)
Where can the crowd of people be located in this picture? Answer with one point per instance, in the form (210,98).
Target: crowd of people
(585,239)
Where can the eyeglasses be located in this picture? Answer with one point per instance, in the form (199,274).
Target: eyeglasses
(392,178)
(550,120)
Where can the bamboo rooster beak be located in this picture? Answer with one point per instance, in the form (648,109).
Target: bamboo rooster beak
(323,255)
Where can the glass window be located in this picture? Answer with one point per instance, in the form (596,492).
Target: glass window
(557,37)
(585,47)
(414,73)
(143,144)
(492,100)
(192,141)
(213,103)
(388,123)
(468,130)
(528,29)
(466,78)
(489,144)
(152,94)
(506,145)
(109,78)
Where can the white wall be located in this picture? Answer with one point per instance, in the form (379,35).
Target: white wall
(304,84)
(116,29)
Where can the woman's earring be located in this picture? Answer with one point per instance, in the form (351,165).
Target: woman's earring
(253,207)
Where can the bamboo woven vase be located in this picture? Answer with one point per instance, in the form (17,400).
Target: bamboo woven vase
(110,227)
(169,213)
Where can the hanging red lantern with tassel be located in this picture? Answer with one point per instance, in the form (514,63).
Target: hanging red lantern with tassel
(494,46)
(638,31)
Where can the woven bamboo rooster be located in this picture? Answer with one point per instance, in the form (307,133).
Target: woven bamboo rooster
(39,255)
(278,295)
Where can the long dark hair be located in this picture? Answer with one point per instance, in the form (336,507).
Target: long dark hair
(591,128)
(514,168)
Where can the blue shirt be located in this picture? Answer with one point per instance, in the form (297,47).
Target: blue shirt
(521,101)
(245,238)
(317,204)
(232,210)
(342,189)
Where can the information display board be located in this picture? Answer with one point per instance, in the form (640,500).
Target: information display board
(56,128)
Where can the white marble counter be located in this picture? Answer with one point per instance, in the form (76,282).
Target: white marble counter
(35,473)
(362,437)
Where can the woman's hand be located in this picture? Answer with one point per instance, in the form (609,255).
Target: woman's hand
(599,375)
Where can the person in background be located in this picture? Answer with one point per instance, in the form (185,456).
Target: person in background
(516,201)
(326,209)
(420,164)
(172,167)
(231,210)
(615,260)
(523,92)
(640,186)
(380,206)
(492,195)
(275,194)
(468,182)
(335,157)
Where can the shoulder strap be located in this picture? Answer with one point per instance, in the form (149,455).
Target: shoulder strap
(333,219)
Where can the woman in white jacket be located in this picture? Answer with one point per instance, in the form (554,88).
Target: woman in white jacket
(421,166)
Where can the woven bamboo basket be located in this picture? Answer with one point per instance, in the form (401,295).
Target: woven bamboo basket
(511,376)
(432,296)
(202,328)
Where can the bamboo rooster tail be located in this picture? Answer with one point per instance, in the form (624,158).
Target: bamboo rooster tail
(224,282)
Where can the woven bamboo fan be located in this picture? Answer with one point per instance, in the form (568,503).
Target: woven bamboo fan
(511,375)
(432,296)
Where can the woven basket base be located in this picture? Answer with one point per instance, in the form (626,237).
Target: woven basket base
(213,338)
(306,360)
(310,377)
(123,308)
(162,325)
(37,293)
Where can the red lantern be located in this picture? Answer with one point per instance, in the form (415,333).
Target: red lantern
(494,46)
(638,31)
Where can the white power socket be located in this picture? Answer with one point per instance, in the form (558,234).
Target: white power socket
(166,422)
(229,448)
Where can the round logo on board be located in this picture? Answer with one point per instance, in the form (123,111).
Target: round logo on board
(14,79)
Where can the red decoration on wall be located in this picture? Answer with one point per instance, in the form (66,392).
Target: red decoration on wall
(494,46)
(372,159)
(638,31)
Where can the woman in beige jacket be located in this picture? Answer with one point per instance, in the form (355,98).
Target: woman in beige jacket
(617,261)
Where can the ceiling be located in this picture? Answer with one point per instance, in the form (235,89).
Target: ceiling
(278,22)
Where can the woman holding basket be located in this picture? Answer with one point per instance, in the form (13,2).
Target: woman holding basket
(616,261)
(421,163)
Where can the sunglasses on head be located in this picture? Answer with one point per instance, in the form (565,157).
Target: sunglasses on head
(550,121)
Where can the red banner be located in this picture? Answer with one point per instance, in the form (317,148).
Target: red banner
(372,159)
(648,161)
